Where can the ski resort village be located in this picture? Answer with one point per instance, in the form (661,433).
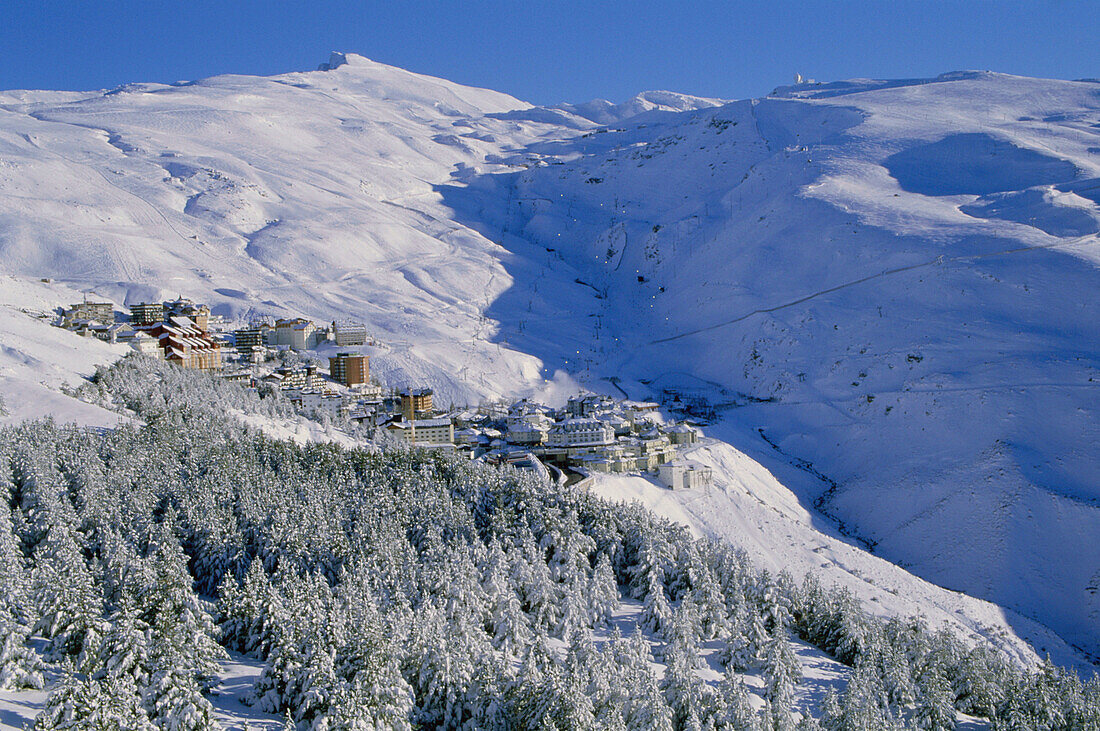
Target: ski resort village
(591,433)
(357,399)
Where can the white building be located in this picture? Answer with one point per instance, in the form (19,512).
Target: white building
(349,333)
(424,431)
(580,433)
(684,475)
(528,428)
(146,345)
(682,434)
(297,334)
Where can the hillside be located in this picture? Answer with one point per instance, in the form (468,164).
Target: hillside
(881,288)
(888,287)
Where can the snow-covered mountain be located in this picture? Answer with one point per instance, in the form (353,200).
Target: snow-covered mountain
(884,288)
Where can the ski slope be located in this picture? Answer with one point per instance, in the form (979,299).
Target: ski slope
(882,289)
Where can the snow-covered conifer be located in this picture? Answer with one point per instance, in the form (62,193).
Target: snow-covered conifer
(686,694)
(175,702)
(602,593)
(82,704)
(14,575)
(20,666)
(735,711)
(656,612)
(182,630)
(68,603)
(126,650)
(936,705)
(781,675)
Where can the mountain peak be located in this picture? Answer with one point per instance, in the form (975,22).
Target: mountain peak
(337,59)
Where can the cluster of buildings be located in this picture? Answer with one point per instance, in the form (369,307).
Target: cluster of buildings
(590,434)
(185,332)
(177,330)
(253,343)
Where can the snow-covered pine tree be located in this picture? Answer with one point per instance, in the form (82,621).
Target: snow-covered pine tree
(126,650)
(831,717)
(639,694)
(864,704)
(77,704)
(602,593)
(183,633)
(541,595)
(68,602)
(935,705)
(249,614)
(738,653)
(735,712)
(656,612)
(20,666)
(14,576)
(687,695)
(175,702)
(979,687)
(781,675)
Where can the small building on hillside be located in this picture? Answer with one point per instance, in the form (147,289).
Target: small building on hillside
(679,434)
(183,307)
(347,334)
(248,339)
(319,399)
(684,475)
(303,377)
(185,344)
(101,312)
(588,404)
(146,344)
(424,431)
(296,333)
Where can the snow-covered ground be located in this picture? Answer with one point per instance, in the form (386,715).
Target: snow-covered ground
(37,360)
(749,508)
(892,280)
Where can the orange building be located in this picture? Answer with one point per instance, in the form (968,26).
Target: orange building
(350,369)
(416,401)
(186,344)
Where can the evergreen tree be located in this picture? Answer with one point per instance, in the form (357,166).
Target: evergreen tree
(936,705)
(87,705)
(174,701)
(68,603)
(736,712)
(781,674)
(183,633)
(686,694)
(656,612)
(602,593)
(20,666)
(14,576)
(126,651)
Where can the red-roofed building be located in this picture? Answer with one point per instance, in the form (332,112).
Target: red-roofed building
(186,344)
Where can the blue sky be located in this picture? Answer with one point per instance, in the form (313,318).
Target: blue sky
(548,51)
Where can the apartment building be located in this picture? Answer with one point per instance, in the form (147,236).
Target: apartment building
(350,369)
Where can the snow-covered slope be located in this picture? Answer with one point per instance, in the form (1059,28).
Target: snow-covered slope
(38,361)
(886,285)
(306,193)
(604,112)
(893,282)
(748,507)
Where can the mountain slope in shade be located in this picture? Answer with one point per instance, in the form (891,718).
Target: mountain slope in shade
(883,288)
(890,287)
